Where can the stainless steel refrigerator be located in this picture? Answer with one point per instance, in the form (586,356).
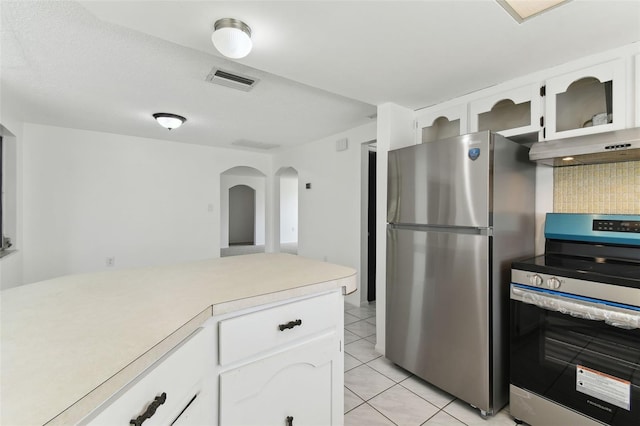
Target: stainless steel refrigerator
(460,210)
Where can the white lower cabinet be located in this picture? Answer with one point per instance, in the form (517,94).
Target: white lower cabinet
(279,364)
(282,364)
(291,388)
(174,390)
(197,412)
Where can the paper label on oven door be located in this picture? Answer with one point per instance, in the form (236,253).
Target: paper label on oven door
(607,388)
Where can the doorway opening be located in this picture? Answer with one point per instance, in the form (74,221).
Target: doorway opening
(288,207)
(368,220)
(242,211)
(371,228)
(242,215)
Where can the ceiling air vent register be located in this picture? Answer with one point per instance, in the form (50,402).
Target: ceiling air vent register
(232,80)
(255,145)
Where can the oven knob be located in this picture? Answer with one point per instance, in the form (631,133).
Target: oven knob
(553,282)
(535,280)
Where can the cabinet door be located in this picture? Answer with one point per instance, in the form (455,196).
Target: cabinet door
(196,412)
(299,383)
(173,388)
(435,124)
(511,113)
(587,101)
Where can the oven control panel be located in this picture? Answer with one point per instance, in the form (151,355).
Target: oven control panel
(621,229)
(562,284)
(616,225)
(542,281)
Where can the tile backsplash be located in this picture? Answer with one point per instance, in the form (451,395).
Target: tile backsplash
(597,188)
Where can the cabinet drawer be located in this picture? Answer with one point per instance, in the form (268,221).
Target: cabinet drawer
(178,375)
(256,332)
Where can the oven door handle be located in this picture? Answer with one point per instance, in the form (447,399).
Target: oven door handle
(615,316)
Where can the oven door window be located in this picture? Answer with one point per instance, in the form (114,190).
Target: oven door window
(586,365)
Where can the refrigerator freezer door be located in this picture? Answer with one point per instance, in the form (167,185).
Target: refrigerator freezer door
(437,309)
(441,183)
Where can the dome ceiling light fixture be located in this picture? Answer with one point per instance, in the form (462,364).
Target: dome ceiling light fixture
(169,121)
(232,38)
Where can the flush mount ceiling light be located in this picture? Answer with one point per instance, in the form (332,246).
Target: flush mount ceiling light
(169,121)
(521,10)
(232,38)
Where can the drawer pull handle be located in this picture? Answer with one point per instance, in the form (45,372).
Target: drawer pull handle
(289,420)
(290,324)
(150,411)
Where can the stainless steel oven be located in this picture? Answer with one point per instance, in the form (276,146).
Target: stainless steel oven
(575,324)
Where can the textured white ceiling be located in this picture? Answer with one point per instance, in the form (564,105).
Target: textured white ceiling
(323,65)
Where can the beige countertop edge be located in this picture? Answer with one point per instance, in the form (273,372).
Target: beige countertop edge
(348,285)
(81,408)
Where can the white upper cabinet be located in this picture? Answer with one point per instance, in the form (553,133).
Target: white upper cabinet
(590,100)
(440,123)
(510,113)
(596,94)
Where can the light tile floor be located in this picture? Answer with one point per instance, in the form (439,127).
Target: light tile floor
(377,392)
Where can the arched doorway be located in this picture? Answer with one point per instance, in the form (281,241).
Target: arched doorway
(242,215)
(242,211)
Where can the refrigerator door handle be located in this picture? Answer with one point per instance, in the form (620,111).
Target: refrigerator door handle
(470,230)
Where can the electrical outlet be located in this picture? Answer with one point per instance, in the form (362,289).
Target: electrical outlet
(111,261)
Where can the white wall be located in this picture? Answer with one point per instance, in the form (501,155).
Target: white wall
(395,130)
(329,212)
(288,208)
(91,195)
(257,183)
(11,265)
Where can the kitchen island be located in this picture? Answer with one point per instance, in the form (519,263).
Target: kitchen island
(71,343)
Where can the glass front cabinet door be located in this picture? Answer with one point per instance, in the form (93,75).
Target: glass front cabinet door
(512,113)
(587,101)
(433,124)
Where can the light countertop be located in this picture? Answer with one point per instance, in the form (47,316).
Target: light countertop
(68,343)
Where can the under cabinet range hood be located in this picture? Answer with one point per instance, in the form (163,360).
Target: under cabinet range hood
(608,147)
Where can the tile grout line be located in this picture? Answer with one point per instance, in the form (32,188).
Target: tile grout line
(363,401)
(382,414)
(366,401)
(394,381)
(421,397)
(399,384)
(372,334)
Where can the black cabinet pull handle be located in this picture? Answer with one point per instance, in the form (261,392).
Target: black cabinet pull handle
(290,324)
(289,420)
(150,411)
